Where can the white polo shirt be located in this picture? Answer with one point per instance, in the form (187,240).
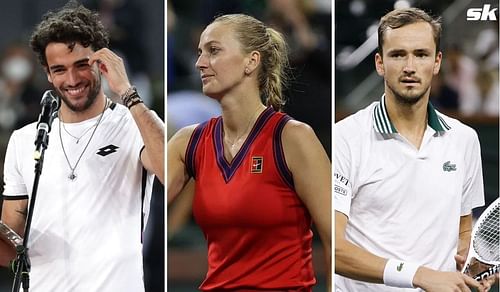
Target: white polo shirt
(86,234)
(403,202)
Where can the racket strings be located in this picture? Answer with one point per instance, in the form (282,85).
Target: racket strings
(486,239)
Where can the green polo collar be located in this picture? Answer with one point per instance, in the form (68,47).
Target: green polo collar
(383,125)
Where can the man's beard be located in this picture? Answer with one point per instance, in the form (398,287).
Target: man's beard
(407,98)
(91,97)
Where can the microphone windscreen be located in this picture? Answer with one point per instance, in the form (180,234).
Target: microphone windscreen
(49,97)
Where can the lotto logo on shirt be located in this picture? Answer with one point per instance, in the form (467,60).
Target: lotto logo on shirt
(257,162)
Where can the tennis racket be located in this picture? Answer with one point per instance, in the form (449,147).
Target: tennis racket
(484,253)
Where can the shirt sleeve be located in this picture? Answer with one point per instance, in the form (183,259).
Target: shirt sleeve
(342,174)
(473,189)
(15,187)
(147,177)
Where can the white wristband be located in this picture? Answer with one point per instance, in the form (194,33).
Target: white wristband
(399,273)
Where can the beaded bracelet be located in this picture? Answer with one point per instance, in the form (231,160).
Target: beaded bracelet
(131,97)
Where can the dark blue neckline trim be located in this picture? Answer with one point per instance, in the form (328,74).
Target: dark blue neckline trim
(229,168)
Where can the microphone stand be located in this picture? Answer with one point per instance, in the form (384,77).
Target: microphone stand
(22,263)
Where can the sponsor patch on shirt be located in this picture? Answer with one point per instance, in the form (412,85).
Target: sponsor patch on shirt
(341,185)
(341,179)
(340,190)
(257,163)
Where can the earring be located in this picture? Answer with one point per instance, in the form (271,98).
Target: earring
(247,71)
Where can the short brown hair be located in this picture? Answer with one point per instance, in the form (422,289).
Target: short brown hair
(401,17)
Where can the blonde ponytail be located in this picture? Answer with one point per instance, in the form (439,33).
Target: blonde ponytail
(256,36)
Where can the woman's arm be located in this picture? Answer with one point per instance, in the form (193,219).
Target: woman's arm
(311,170)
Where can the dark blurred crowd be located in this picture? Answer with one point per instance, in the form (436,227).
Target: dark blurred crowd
(468,82)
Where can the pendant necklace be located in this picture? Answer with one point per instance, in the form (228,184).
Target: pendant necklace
(81,136)
(72,176)
(233,144)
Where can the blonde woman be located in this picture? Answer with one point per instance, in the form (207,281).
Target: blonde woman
(261,178)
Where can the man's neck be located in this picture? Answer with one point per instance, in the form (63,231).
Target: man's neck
(410,120)
(69,116)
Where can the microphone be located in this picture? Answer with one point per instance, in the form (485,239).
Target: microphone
(50,105)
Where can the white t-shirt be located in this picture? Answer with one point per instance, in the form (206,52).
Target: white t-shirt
(86,233)
(403,202)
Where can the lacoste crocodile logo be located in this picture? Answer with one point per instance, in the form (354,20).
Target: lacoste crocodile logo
(447,166)
(400,267)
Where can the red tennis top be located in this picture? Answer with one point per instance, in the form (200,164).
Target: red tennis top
(257,229)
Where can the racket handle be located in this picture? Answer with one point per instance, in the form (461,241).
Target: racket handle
(492,270)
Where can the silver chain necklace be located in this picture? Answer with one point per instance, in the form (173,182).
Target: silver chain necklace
(81,136)
(72,176)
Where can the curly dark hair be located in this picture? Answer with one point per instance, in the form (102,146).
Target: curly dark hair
(72,24)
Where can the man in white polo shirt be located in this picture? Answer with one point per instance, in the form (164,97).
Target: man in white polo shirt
(406,176)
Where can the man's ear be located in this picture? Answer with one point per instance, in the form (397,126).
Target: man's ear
(379,64)
(437,63)
(49,77)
